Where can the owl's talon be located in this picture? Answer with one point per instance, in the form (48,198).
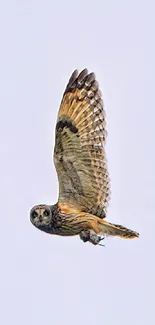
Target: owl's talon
(92,237)
(95,239)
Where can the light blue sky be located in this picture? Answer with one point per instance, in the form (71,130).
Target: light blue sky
(47,280)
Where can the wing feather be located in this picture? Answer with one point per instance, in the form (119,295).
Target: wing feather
(79,153)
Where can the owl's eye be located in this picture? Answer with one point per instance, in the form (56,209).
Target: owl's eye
(46,213)
(34,214)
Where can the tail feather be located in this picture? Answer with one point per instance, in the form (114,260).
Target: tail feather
(112,229)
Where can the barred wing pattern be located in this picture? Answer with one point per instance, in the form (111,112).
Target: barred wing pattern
(79,153)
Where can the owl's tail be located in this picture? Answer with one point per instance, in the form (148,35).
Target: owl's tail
(110,229)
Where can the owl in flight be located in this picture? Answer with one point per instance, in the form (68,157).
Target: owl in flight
(80,162)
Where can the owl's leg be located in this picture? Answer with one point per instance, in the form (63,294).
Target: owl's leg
(91,236)
(85,235)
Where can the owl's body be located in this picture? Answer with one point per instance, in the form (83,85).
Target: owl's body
(80,161)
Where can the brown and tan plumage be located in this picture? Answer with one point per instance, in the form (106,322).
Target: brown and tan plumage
(80,161)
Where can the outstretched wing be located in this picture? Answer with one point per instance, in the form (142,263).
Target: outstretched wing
(79,153)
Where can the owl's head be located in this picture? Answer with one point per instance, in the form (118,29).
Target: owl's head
(41,217)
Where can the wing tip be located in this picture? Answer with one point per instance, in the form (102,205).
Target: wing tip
(79,79)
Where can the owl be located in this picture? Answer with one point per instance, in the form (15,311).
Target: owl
(81,165)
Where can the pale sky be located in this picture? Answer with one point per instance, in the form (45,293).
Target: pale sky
(49,280)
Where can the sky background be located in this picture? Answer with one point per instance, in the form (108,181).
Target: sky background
(52,280)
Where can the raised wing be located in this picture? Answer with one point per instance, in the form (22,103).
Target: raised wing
(79,153)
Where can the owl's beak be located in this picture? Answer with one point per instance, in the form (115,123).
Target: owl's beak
(40,218)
